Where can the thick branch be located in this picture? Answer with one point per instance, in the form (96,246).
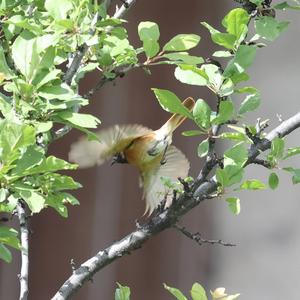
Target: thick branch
(23,276)
(162,221)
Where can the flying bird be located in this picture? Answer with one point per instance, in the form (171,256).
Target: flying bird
(150,151)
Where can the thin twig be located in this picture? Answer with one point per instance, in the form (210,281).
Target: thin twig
(23,276)
(164,220)
(199,240)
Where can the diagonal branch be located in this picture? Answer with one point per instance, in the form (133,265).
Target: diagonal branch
(23,276)
(162,220)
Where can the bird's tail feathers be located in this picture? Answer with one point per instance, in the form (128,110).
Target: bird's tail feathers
(177,119)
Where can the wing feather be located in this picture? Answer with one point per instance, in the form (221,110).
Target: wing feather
(112,140)
(176,166)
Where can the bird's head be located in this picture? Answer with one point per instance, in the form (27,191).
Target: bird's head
(119,158)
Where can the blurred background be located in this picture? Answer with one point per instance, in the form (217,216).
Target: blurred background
(265,264)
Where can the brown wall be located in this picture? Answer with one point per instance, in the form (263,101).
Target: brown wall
(110,199)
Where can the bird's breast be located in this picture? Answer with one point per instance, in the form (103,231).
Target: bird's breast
(139,153)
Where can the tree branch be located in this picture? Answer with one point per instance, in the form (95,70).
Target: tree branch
(162,220)
(23,276)
(199,240)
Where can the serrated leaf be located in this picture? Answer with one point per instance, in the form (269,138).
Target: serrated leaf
(273,181)
(175,292)
(198,292)
(234,205)
(182,42)
(171,103)
(201,114)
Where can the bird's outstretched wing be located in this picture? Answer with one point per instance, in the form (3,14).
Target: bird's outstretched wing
(112,141)
(176,165)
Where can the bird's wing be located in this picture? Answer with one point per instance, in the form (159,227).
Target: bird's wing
(155,191)
(112,141)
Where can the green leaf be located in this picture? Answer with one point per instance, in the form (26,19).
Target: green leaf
(222,54)
(230,175)
(198,292)
(192,132)
(34,200)
(269,28)
(171,103)
(250,103)
(252,184)
(3,194)
(5,254)
(175,292)
(201,114)
(203,148)
(235,136)
(236,156)
(184,57)
(277,148)
(273,181)
(58,10)
(30,158)
(50,164)
(149,35)
(234,205)
(284,5)
(292,152)
(296,174)
(122,292)
(182,42)
(235,21)
(224,39)
(13,137)
(226,112)
(191,75)
(78,119)
(59,92)
(242,60)
(4,68)
(25,55)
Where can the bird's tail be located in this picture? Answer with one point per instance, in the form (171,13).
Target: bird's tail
(177,119)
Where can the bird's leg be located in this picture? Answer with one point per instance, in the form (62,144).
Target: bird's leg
(163,159)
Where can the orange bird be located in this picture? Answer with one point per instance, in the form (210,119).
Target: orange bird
(150,151)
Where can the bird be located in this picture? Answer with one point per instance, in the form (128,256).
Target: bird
(150,151)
